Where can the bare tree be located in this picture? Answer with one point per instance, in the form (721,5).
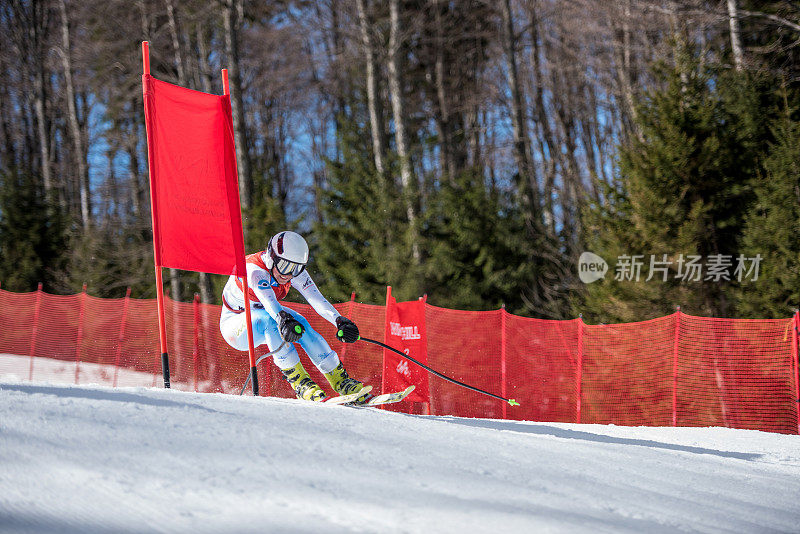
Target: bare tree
(398,114)
(175,282)
(176,44)
(29,33)
(522,153)
(204,76)
(132,148)
(547,142)
(736,40)
(74,122)
(443,117)
(373,97)
(232,25)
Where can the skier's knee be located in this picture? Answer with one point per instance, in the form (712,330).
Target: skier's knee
(287,357)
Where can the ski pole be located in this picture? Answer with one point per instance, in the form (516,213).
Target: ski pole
(259,361)
(512,402)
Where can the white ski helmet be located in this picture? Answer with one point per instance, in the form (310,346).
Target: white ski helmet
(288,252)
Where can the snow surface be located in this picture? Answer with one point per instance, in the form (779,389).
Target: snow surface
(93,459)
(14,367)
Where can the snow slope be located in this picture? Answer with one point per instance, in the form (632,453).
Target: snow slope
(14,368)
(99,460)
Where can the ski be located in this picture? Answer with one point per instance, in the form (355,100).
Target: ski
(345,399)
(385,398)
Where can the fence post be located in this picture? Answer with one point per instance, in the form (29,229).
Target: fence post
(579,371)
(385,337)
(503,343)
(35,329)
(426,406)
(196,340)
(675,343)
(80,333)
(121,339)
(796,365)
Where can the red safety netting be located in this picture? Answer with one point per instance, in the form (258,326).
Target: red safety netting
(674,370)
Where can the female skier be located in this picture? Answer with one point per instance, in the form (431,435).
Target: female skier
(270,275)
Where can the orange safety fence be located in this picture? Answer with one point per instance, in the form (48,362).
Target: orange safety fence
(677,370)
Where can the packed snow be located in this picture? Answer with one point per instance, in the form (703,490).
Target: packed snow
(93,459)
(14,367)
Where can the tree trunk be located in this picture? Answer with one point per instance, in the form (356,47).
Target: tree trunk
(204,279)
(5,123)
(39,99)
(547,143)
(474,123)
(176,285)
(176,43)
(232,25)
(74,123)
(443,118)
(132,146)
(521,152)
(202,59)
(41,130)
(624,71)
(112,195)
(373,96)
(398,113)
(680,40)
(736,40)
(145,19)
(586,124)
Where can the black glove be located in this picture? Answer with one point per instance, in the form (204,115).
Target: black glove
(348,331)
(291,329)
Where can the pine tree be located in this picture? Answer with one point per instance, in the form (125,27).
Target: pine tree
(32,234)
(109,259)
(363,243)
(772,232)
(685,190)
(470,261)
(263,219)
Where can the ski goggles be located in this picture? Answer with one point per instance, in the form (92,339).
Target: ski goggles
(286,267)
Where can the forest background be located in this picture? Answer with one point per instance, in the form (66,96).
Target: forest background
(467,150)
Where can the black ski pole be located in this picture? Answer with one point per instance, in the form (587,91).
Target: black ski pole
(249,375)
(512,402)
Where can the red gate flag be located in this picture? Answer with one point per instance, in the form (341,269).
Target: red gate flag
(405,331)
(197,224)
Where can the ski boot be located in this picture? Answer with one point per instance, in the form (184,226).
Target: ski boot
(344,385)
(303,386)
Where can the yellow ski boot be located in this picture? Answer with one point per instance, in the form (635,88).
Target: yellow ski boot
(303,386)
(343,384)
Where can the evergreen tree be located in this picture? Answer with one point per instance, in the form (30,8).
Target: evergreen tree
(773,231)
(109,259)
(471,262)
(684,191)
(363,243)
(263,219)
(32,234)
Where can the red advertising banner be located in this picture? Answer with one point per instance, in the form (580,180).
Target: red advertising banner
(405,331)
